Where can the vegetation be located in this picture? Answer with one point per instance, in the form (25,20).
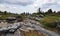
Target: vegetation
(4,15)
(49,16)
(32,33)
(50,22)
(50,19)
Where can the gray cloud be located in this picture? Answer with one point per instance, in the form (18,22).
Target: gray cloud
(19,6)
(48,5)
(18,2)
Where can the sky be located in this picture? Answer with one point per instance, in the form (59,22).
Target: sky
(31,6)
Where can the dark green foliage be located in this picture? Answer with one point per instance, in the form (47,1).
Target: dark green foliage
(51,25)
(5,12)
(20,18)
(39,11)
(49,11)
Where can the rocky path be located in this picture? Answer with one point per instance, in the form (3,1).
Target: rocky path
(17,33)
(29,25)
(38,27)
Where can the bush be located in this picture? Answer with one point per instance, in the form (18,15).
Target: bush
(51,25)
(49,22)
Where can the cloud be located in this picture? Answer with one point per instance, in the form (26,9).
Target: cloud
(18,2)
(31,6)
(51,4)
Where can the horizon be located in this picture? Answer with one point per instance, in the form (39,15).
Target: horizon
(31,6)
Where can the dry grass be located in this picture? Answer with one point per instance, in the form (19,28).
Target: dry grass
(32,33)
(49,22)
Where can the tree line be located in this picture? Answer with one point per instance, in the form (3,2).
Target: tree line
(49,11)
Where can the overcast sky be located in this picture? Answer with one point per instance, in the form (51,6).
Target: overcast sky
(20,6)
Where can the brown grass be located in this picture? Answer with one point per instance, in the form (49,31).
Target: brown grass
(32,33)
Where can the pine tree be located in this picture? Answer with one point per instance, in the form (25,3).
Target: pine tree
(50,11)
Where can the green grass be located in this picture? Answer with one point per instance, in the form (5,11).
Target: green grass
(49,21)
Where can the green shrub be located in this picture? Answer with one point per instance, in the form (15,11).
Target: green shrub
(51,25)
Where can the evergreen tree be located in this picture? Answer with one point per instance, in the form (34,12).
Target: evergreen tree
(50,11)
(54,11)
(5,12)
(39,11)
